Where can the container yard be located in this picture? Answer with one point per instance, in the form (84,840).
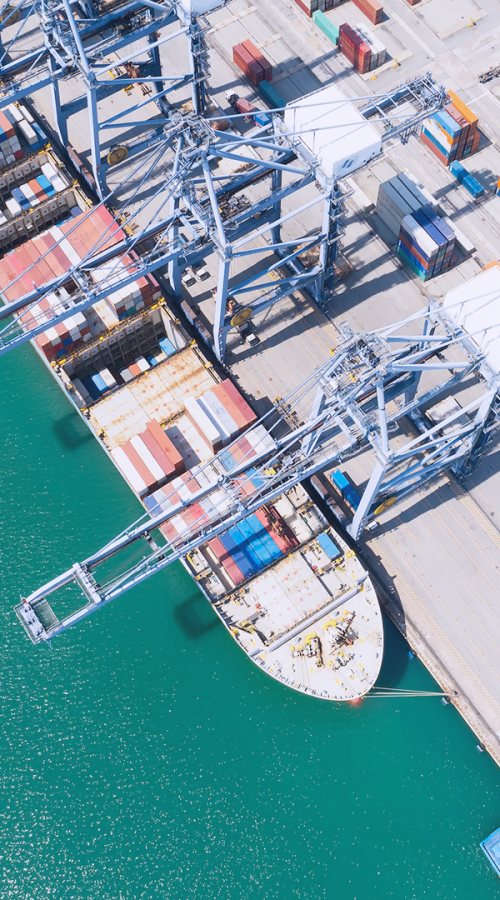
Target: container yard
(400,217)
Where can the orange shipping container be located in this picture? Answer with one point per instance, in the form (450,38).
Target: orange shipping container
(463,108)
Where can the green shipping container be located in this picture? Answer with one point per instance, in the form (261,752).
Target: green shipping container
(270,95)
(326,26)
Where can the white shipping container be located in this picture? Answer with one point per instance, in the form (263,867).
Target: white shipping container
(143,364)
(148,459)
(417,188)
(428,247)
(130,472)
(407,195)
(461,240)
(220,414)
(202,421)
(107,377)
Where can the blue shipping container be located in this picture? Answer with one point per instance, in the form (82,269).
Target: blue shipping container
(326,544)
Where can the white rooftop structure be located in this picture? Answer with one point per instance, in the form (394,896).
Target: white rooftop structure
(475,306)
(336,132)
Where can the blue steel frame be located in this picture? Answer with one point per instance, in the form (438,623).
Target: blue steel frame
(195,146)
(68,51)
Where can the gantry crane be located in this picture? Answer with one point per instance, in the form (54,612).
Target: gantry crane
(359,400)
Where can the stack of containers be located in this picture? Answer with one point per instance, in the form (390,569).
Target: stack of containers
(10,148)
(312,6)
(260,59)
(372,9)
(354,48)
(378,51)
(399,197)
(426,243)
(452,132)
(248,64)
(149,459)
(142,292)
(497,191)
(220,415)
(467,180)
(472,136)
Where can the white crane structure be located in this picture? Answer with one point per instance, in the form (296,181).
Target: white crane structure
(364,398)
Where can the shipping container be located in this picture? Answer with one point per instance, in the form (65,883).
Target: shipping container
(203,424)
(271,96)
(372,9)
(166,445)
(248,65)
(260,59)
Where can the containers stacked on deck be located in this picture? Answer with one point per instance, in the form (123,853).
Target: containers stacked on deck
(254,543)
(10,147)
(142,292)
(452,132)
(252,62)
(149,459)
(53,252)
(220,415)
(426,243)
(466,179)
(399,197)
(354,48)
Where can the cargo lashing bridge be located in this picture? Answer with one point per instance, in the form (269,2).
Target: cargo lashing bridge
(364,398)
(286,161)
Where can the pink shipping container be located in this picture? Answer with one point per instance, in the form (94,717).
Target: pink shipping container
(161,458)
(140,467)
(226,560)
(166,445)
(246,415)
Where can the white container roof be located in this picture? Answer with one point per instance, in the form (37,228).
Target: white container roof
(475,306)
(336,132)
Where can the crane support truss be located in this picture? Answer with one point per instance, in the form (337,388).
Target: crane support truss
(93,48)
(211,206)
(377,387)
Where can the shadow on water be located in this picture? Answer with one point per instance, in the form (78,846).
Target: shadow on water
(70,432)
(396,658)
(195,617)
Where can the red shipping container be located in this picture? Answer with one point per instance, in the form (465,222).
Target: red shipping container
(243,107)
(248,65)
(226,560)
(260,58)
(37,190)
(413,2)
(246,411)
(475,141)
(156,451)
(166,445)
(372,9)
(284,538)
(425,140)
(134,370)
(304,8)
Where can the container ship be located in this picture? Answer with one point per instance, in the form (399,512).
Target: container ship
(286,586)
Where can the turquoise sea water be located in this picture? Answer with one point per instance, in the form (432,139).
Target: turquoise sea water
(146,757)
